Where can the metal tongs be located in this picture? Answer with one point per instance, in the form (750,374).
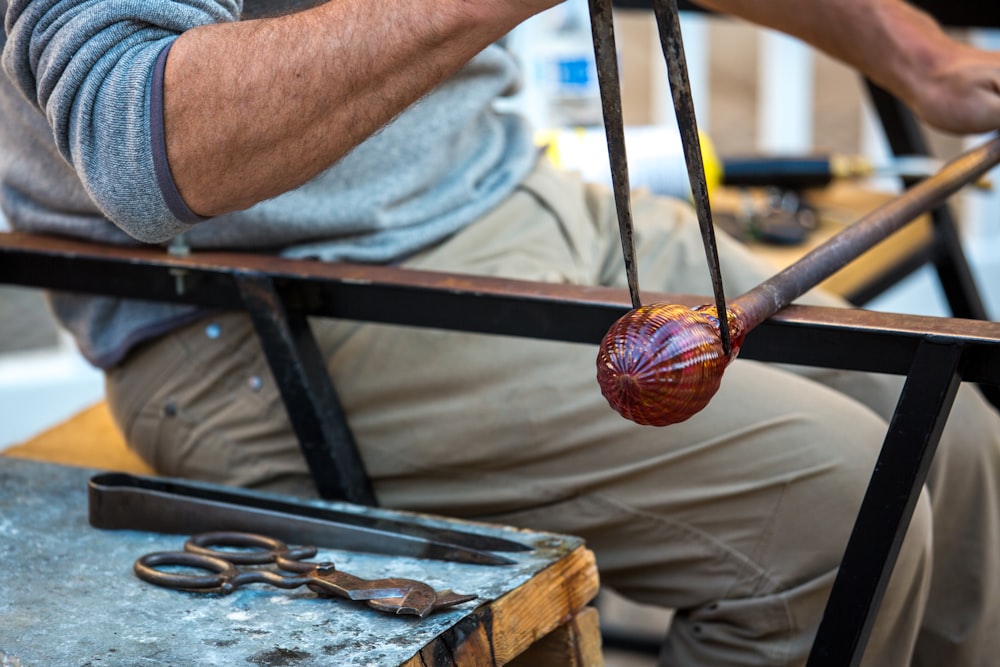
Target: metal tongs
(123,501)
(605,55)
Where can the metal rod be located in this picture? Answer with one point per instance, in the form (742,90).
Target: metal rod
(668,22)
(606,58)
(906,136)
(781,289)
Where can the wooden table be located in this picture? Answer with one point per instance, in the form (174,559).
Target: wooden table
(68,597)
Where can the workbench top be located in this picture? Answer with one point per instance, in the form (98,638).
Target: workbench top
(68,595)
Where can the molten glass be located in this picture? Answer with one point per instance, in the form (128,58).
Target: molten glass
(661,364)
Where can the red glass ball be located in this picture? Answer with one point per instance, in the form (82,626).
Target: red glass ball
(661,364)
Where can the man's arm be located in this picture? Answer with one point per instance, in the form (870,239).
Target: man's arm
(949,84)
(255,108)
(145,96)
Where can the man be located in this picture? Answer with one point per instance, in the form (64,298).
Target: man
(361,130)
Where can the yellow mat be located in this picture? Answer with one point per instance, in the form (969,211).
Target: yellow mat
(88,439)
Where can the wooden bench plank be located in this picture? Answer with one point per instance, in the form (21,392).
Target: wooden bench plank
(576,643)
(502,631)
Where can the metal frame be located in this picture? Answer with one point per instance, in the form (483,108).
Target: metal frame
(899,474)
(938,367)
(934,353)
(314,408)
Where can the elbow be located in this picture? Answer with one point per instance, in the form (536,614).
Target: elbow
(96,87)
(116,143)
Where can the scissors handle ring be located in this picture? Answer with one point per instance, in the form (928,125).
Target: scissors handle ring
(221,581)
(258,549)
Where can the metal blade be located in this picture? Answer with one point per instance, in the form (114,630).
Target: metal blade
(122,501)
(605,54)
(668,22)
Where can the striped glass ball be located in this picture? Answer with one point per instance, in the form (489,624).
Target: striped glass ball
(661,364)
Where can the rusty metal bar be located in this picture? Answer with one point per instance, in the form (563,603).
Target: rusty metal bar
(836,337)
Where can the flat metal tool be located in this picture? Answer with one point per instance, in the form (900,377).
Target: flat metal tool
(668,23)
(606,57)
(123,501)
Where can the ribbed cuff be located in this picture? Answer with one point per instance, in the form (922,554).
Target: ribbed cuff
(161,167)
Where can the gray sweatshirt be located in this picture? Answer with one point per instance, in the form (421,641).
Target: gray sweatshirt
(82,155)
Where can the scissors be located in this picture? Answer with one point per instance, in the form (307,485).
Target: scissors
(220,552)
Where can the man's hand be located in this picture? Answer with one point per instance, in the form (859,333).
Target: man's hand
(961,93)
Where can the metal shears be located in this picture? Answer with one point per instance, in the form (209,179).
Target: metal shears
(221,553)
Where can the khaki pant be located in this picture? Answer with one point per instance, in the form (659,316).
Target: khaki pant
(736,518)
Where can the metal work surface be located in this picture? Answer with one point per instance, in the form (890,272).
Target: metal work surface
(69,596)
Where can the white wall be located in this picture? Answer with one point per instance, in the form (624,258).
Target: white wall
(41,388)
(38,389)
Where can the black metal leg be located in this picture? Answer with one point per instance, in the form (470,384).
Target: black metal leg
(308,393)
(888,505)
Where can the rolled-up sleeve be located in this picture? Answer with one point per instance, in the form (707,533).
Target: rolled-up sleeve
(95,69)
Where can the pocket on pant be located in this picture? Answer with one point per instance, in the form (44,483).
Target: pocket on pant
(183,442)
(154,432)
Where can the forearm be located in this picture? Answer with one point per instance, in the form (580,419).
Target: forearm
(885,39)
(255,108)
